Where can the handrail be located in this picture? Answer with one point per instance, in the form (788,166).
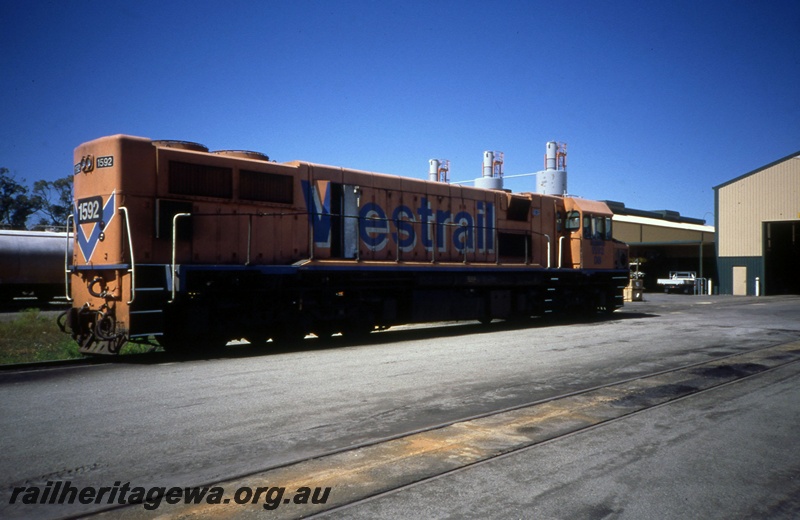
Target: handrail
(525,242)
(132,270)
(496,245)
(249,237)
(466,249)
(548,249)
(67,271)
(174,246)
(436,228)
(357,193)
(433,241)
(311,237)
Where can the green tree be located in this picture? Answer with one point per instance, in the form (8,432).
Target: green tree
(16,202)
(56,200)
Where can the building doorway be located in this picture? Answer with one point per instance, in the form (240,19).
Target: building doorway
(782,257)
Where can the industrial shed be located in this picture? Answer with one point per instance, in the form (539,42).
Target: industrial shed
(665,241)
(758,230)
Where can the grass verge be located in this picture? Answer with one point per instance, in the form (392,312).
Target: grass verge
(31,337)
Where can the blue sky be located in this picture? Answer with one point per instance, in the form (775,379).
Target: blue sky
(658,101)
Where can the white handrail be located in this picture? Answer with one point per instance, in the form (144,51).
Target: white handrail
(67,271)
(548,249)
(174,247)
(132,270)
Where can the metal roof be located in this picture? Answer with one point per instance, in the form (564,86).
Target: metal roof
(619,208)
(663,223)
(795,155)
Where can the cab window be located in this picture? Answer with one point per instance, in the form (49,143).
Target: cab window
(573,221)
(596,227)
(599,228)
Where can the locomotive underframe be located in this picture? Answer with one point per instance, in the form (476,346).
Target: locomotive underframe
(215,304)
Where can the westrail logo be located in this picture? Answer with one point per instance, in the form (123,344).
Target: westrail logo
(92,217)
(403,225)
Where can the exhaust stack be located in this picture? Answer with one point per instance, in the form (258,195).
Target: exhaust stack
(439,170)
(553,179)
(492,178)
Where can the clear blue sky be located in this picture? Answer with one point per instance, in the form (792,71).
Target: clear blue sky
(658,101)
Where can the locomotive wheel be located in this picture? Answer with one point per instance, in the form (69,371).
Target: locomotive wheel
(288,334)
(174,345)
(182,344)
(322,333)
(258,342)
(324,330)
(185,344)
(358,330)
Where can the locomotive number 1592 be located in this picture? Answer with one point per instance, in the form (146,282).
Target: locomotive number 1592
(88,210)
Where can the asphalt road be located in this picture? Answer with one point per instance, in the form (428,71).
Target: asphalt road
(729,453)
(200,421)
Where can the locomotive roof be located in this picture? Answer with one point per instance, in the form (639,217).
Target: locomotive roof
(591,206)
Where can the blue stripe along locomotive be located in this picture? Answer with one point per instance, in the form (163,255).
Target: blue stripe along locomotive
(196,248)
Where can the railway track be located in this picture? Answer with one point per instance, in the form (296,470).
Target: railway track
(243,349)
(145,358)
(386,466)
(50,365)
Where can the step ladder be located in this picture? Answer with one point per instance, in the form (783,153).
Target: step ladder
(153,292)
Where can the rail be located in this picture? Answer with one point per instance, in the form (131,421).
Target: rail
(175,247)
(548,249)
(67,270)
(443,241)
(249,239)
(132,270)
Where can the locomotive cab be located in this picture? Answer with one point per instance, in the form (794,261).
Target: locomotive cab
(589,228)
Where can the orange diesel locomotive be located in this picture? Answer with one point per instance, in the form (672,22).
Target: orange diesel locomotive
(196,248)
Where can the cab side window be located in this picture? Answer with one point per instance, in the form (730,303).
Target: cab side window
(599,228)
(573,221)
(596,228)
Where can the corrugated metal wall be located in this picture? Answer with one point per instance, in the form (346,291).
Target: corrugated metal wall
(772,194)
(627,232)
(752,268)
(743,205)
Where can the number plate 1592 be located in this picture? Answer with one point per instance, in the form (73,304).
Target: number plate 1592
(90,210)
(107,161)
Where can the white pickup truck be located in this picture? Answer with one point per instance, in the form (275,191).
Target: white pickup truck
(679,281)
